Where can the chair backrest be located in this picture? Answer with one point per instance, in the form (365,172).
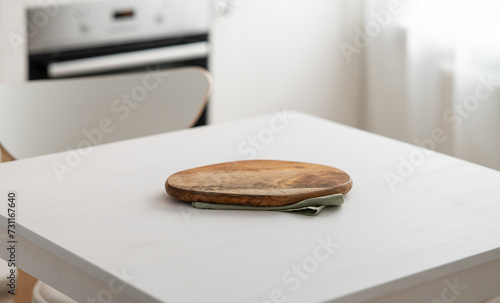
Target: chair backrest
(46,116)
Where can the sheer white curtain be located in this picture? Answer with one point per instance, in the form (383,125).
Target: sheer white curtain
(433,77)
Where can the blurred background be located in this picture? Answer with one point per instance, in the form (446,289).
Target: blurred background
(420,71)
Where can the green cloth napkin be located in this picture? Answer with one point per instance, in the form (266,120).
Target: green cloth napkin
(308,207)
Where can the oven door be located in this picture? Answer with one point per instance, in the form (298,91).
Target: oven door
(119,58)
(156,54)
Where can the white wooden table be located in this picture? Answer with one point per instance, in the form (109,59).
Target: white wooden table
(109,230)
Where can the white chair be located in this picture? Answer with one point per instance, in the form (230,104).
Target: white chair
(47,116)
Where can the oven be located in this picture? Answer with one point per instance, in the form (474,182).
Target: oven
(95,37)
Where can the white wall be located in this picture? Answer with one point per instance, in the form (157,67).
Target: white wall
(13,47)
(285,53)
(386,109)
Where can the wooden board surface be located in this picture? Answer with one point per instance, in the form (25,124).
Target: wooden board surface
(257,182)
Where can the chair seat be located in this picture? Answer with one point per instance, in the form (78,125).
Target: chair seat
(42,293)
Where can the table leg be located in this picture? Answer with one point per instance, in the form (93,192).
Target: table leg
(24,288)
(5,155)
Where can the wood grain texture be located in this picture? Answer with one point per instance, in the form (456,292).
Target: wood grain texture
(257,182)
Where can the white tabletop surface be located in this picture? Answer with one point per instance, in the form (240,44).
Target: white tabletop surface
(111,218)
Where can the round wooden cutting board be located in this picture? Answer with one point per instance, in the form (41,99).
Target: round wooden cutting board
(257,183)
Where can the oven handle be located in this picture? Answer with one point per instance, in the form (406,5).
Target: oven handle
(130,59)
